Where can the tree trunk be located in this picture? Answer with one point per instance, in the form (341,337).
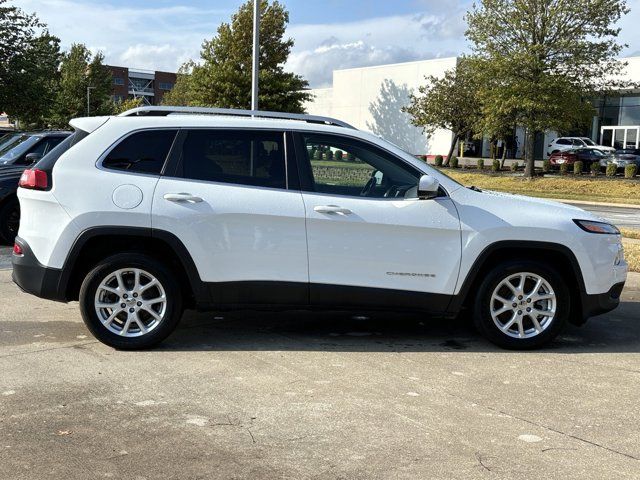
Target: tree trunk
(451,149)
(530,154)
(504,154)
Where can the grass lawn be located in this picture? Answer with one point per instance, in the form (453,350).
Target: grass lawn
(568,187)
(632,255)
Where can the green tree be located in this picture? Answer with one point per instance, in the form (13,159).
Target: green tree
(449,102)
(542,60)
(29,58)
(223,77)
(80,70)
(127,104)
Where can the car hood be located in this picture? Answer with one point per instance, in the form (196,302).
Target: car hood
(489,209)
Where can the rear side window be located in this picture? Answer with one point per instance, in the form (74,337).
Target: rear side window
(242,157)
(142,152)
(563,141)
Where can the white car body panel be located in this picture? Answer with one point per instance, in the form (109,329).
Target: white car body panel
(409,245)
(238,232)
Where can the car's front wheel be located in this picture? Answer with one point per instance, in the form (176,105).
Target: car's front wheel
(522,304)
(130,301)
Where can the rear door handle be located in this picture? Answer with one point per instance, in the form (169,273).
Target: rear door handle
(332,209)
(182,198)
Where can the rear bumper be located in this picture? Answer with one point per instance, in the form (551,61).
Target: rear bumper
(601,303)
(33,277)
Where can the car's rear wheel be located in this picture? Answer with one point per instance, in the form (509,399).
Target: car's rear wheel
(9,221)
(130,301)
(522,305)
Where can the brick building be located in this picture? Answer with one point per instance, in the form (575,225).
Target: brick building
(148,85)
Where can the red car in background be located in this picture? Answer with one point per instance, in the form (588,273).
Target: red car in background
(586,155)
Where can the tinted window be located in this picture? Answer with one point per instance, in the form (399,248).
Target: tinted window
(142,152)
(341,166)
(248,158)
(563,141)
(578,142)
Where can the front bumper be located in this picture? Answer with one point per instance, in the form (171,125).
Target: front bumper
(602,302)
(33,277)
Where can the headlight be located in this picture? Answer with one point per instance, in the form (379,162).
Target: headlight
(597,227)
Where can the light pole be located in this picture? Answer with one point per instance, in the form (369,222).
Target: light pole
(256,54)
(88,96)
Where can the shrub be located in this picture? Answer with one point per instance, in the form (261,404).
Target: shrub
(564,168)
(481,164)
(438,160)
(338,155)
(495,166)
(546,166)
(514,167)
(630,171)
(612,168)
(328,155)
(595,168)
(453,163)
(577,168)
(350,157)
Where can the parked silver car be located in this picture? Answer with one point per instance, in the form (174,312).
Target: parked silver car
(622,158)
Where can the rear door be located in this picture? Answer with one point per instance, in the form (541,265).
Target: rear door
(228,196)
(371,241)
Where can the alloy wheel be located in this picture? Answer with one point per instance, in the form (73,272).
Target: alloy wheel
(130,302)
(523,305)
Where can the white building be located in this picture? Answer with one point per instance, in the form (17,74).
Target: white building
(371,98)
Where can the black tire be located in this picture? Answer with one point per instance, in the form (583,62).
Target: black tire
(9,221)
(172,313)
(482,306)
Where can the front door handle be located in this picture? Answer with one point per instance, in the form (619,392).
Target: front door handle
(332,209)
(182,198)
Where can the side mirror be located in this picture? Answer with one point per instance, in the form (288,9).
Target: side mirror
(32,158)
(428,187)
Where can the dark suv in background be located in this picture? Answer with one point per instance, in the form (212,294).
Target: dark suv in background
(24,149)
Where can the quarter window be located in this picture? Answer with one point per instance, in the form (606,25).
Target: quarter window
(248,158)
(341,166)
(142,152)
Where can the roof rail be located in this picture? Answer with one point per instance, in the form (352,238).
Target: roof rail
(163,111)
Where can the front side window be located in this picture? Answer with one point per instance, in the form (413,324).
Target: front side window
(141,152)
(242,157)
(342,166)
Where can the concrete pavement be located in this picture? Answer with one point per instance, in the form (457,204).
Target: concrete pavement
(301,396)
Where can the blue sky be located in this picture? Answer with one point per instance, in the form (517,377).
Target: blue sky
(329,34)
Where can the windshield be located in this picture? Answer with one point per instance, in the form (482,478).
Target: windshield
(8,139)
(589,142)
(18,147)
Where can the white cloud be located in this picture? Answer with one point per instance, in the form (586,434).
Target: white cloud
(322,48)
(152,37)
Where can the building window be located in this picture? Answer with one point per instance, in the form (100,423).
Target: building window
(118,81)
(165,85)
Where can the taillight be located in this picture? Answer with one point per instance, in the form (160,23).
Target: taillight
(17,250)
(34,179)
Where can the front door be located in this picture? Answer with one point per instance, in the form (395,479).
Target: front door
(371,241)
(228,202)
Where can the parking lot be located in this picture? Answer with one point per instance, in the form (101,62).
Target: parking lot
(322,395)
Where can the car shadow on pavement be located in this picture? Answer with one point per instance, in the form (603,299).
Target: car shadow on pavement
(618,331)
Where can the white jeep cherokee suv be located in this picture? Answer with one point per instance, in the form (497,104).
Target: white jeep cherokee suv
(160,208)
